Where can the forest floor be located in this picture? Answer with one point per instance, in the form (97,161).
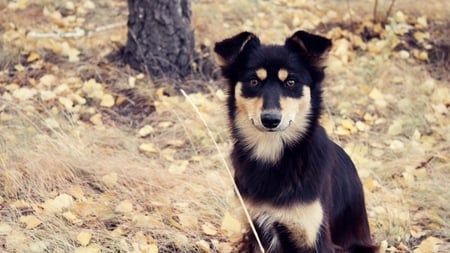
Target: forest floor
(96,157)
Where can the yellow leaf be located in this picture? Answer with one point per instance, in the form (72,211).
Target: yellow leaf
(168,154)
(69,216)
(220,94)
(88,249)
(84,238)
(421,36)
(76,191)
(107,100)
(397,146)
(33,57)
(71,52)
(165,124)
(341,131)
(209,229)
(349,125)
(152,248)
(96,119)
(375,94)
(24,93)
(429,245)
(423,56)
(230,223)
(145,131)
(57,204)
(403,54)
(396,127)
(188,221)
(132,81)
(203,245)
(125,206)
(400,17)
(422,22)
(110,180)
(93,89)
(148,148)
(176,143)
(361,126)
(30,221)
(178,166)
(5,229)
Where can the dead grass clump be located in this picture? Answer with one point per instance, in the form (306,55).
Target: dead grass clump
(71,178)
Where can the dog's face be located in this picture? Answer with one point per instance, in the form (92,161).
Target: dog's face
(270,85)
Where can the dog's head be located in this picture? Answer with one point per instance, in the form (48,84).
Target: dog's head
(272,87)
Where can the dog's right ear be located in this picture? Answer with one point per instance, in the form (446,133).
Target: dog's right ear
(229,49)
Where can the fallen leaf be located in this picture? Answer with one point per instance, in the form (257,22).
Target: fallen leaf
(96,119)
(178,166)
(69,216)
(376,94)
(429,245)
(400,17)
(84,238)
(59,203)
(5,228)
(396,127)
(146,130)
(230,224)
(176,143)
(33,56)
(88,249)
(71,52)
(188,221)
(76,191)
(397,145)
(131,81)
(110,180)
(209,229)
(24,93)
(203,245)
(148,148)
(125,206)
(30,221)
(107,100)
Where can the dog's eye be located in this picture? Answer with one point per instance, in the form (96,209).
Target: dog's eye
(254,82)
(289,83)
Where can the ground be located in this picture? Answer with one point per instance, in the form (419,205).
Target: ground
(96,157)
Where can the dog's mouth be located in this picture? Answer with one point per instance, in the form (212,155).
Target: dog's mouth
(279,128)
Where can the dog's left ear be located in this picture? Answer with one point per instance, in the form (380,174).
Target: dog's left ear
(312,46)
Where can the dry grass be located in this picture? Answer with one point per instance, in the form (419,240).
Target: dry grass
(180,192)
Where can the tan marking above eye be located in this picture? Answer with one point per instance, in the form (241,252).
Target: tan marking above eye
(282,74)
(261,73)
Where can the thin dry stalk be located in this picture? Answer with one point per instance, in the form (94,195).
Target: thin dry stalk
(241,200)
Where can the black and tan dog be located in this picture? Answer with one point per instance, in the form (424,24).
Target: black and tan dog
(302,190)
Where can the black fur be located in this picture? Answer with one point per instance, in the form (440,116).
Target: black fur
(311,167)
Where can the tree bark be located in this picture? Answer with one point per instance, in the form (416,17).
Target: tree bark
(160,38)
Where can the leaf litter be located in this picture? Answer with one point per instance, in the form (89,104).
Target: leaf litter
(97,158)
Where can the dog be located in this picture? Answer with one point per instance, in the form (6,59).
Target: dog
(301,189)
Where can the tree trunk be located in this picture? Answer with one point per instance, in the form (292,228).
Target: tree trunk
(160,38)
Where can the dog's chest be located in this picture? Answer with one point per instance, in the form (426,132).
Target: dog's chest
(303,220)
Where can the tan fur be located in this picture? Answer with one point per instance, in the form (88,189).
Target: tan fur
(283,74)
(261,74)
(303,220)
(222,62)
(268,146)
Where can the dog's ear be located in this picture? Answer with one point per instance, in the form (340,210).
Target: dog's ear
(228,50)
(312,46)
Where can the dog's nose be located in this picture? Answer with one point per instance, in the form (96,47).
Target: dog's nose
(270,119)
